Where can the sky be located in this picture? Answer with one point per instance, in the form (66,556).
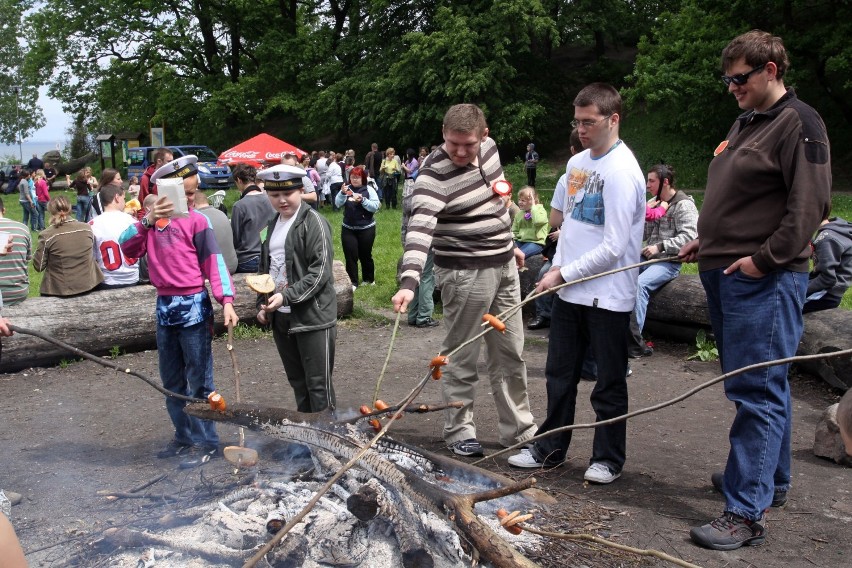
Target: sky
(57,122)
(53,132)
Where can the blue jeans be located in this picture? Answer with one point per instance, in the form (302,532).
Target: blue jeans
(574,329)
(186,367)
(651,279)
(29,214)
(544,304)
(756,320)
(250,265)
(529,249)
(421,306)
(84,203)
(41,207)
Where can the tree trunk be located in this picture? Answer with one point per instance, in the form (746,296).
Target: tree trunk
(124,318)
(75,165)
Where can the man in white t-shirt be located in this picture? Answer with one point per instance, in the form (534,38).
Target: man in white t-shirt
(601,213)
(119,271)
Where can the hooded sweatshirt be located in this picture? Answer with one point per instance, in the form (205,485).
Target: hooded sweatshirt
(832,259)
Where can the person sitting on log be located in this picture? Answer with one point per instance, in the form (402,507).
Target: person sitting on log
(119,270)
(64,253)
(297,253)
(182,253)
(664,235)
(832,273)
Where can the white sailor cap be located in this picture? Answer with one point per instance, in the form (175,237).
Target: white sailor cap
(182,167)
(282,178)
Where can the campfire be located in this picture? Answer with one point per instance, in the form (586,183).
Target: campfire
(400,506)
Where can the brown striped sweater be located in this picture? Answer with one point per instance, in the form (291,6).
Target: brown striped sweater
(455,212)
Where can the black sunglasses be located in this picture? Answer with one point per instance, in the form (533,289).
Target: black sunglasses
(740,78)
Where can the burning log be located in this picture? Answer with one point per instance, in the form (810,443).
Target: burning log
(345,441)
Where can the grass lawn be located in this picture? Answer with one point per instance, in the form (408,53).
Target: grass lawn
(388,248)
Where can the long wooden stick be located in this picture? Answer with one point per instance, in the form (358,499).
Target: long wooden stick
(599,540)
(236,376)
(101,361)
(532,296)
(387,359)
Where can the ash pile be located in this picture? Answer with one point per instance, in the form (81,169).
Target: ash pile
(369,518)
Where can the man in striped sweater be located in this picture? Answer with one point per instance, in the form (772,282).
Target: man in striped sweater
(456,212)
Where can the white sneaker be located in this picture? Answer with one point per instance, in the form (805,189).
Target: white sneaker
(525,460)
(600,473)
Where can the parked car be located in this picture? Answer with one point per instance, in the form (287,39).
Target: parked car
(212,175)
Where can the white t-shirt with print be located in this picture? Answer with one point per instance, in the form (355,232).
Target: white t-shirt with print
(603,209)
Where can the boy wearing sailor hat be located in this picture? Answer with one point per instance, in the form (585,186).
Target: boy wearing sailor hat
(182,254)
(297,253)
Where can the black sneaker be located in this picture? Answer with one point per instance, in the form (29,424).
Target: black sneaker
(636,352)
(779,498)
(199,455)
(469,447)
(729,532)
(173,449)
(428,322)
(538,323)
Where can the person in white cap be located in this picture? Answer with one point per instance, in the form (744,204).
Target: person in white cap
(182,253)
(297,252)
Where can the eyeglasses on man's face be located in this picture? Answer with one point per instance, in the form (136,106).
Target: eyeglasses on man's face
(740,78)
(587,123)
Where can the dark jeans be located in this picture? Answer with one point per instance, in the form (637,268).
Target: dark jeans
(186,367)
(573,330)
(389,191)
(249,265)
(358,245)
(531,176)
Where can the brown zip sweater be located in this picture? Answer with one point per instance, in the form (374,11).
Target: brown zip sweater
(767,190)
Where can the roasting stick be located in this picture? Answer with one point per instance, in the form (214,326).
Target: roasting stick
(240,456)
(687,394)
(387,359)
(532,296)
(101,361)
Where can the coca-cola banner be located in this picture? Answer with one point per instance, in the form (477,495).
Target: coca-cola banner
(261,150)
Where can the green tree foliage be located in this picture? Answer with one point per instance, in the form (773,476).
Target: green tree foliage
(678,65)
(20,114)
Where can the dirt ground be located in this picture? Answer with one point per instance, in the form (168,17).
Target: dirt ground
(66,433)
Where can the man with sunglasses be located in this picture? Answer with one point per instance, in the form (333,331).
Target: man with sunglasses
(768,188)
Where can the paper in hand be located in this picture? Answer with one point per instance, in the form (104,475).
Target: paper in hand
(172,188)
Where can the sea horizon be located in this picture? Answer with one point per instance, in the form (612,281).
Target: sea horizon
(9,153)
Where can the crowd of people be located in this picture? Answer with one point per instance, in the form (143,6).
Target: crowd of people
(462,233)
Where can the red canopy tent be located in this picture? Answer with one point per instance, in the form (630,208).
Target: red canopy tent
(261,150)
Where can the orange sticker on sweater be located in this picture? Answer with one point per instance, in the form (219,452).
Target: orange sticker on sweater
(720,148)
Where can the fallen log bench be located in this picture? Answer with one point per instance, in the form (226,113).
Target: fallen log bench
(123,317)
(678,311)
